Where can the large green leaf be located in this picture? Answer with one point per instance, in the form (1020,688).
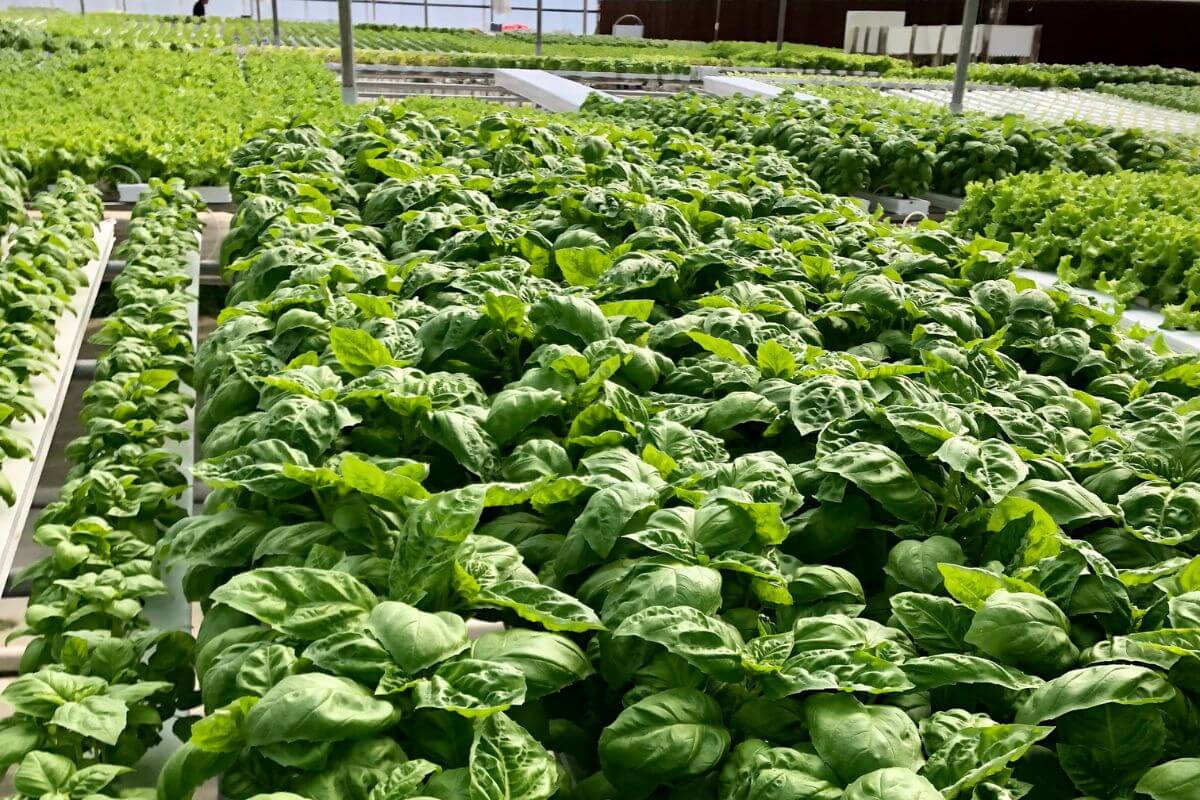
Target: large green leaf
(508,764)
(1094,686)
(707,643)
(883,475)
(316,708)
(1174,780)
(548,661)
(417,639)
(471,687)
(855,739)
(992,465)
(669,736)
(298,601)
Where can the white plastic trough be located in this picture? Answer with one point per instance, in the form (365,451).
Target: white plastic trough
(551,92)
(130,192)
(729,85)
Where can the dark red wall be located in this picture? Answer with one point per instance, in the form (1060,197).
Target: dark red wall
(1074,31)
(1114,31)
(812,21)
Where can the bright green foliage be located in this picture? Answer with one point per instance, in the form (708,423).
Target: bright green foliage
(1180,98)
(157,112)
(1130,235)
(40,273)
(97,682)
(397,44)
(13,184)
(1068,76)
(865,142)
(772,499)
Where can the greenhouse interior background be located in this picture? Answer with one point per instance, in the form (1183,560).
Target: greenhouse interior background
(441,14)
(605,400)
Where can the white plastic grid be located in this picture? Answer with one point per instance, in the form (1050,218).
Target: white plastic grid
(1060,105)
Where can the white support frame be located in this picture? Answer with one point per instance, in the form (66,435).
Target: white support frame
(50,391)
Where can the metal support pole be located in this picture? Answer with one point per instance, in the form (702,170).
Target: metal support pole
(426,14)
(82,10)
(717,23)
(970,11)
(585,13)
(275,21)
(781,26)
(258,11)
(537,50)
(346,32)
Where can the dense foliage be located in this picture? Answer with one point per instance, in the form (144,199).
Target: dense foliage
(157,112)
(392,44)
(1180,98)
(772,499)
(863,142)
(13,186)
(1131,235)
(1067,76)
(40,273)
(97,681)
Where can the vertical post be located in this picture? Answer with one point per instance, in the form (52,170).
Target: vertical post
(258,11)
(82,10)
(346,32)
(584,28)
(782,24)
(275,22)
(426,14)
(537,48)
(1035,47)
(717,23)
(970,11)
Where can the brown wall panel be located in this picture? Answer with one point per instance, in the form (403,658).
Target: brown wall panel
(1114,31)
(1074,31)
